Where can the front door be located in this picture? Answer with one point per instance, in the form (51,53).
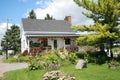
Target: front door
(55,44)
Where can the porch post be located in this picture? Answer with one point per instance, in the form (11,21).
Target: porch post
(28,45)
(64,44)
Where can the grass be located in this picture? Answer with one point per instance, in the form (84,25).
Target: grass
(11,59)
(92,72)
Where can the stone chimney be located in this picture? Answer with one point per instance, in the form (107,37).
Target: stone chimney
(68,18)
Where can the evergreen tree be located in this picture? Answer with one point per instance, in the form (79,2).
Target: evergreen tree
(48,17)
(105,14)
(32,15)
(11,40)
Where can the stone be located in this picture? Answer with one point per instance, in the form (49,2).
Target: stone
(51,75)
(57,75)
(81,64)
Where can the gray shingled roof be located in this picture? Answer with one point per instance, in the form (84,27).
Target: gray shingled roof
(46,25)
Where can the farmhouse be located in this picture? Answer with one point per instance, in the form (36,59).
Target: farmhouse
(47,34)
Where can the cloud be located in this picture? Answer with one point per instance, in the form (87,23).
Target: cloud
(61,8)
(38,3)
(42,3)
(3,27)
(23,0)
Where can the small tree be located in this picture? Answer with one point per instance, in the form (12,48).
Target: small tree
(12,40)
(32,15)
(48,17)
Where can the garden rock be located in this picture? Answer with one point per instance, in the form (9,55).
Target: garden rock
(51,75)
(81,64)
(56,75)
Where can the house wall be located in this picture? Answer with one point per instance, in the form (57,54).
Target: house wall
(24,42)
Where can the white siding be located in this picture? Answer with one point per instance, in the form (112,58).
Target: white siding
(24,45)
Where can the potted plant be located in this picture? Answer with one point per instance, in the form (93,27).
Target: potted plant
(112,64)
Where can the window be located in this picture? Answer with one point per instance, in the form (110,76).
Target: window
(67,41)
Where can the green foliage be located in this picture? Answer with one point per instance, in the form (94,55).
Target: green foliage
(10,59)
(105,14)
(49,61)
(90,56)
(80,54)
(99,34)
(48,17)
(34,63)
(22,58)
(0,52)
(103,11)
(116,49)
(32,15)
(11,39)
(72,58)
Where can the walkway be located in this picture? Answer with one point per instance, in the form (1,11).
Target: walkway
(4,67)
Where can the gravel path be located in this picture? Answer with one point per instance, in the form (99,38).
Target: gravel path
(4,67)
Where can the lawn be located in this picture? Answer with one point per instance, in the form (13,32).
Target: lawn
(92,72)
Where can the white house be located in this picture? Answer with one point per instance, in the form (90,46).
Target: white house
(53,34)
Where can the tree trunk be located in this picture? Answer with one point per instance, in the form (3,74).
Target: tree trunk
(6,53)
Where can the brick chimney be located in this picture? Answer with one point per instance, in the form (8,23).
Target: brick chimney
(68,18)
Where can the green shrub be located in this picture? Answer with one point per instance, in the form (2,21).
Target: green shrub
(116,49)
(45,61)
(72,58)
(34,64)
(80,54)
(0,52)
(23,58)
(101,57)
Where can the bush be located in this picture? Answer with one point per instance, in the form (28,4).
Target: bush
(23,58)
(101,57)
(72,58)
(48,61)
(80,54)
(0,52)
(34,63)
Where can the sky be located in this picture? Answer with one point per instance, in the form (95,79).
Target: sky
(15,10)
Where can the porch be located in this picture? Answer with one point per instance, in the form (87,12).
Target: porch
(38,44)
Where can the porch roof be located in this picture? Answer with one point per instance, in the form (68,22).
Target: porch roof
(51,34)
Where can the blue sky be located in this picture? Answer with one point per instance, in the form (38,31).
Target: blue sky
(15,10)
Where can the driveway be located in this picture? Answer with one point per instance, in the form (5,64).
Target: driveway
(4,67)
